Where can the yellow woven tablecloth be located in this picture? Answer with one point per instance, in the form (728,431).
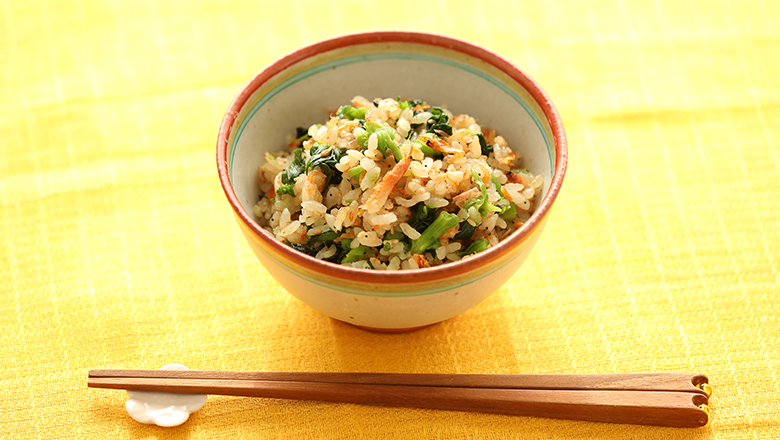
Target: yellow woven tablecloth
(118,249)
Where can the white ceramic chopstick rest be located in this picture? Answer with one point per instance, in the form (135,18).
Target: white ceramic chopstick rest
(163,409)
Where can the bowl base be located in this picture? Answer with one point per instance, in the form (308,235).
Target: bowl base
(391,330)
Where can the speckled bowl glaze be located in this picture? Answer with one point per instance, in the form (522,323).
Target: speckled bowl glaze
(299,88)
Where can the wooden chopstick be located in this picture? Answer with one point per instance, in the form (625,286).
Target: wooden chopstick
(664,399)
(686,382)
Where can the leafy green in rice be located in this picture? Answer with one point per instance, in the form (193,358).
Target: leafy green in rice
(325,237)
(395,235)
(357,254)
(385,139)
(439,121)
(465,231)
(477,246)
(422,216)
(483,145)
(428,151)
(325,157)
(481,202)
(430,237)
(507,211)
(350,112)
(302,248)
(412,103)
(295,169)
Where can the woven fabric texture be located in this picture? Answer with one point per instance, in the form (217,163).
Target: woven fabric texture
(119,250)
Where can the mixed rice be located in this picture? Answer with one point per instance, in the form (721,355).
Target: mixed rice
(394,184)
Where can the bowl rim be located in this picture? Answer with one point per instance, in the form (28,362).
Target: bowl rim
(396,36)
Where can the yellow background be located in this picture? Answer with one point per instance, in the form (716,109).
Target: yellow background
(118,249)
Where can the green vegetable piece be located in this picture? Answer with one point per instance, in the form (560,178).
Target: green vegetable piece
(303,248)
(486,149)
(488,207)
(301,132)
(480,202)
(385,139)
(507,212)
(355,171)
(439,121)
(410,104)
(465,231)
(325,237)
(395,235)
(286,189)
(422,217)
(357,254)
(325,157)
(497,184)
(295,169)
(478,246)
(428,151)
(430,237)
(301,135)
(350,112)
(321,155)
(362,138)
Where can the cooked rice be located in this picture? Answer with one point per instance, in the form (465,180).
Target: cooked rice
(375,176)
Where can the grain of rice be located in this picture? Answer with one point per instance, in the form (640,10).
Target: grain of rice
(367,164)
(373,142)
(382,220)
(409,231)
(370,178)
(326,252)
(411,263)
(441,252)
(315,207)
(525,205)
(436,202)
(489,223)
(331,220)
(419,171)
(290,228)
(369,238)
(421,117)
(474,215)
(332,197)
(395,263)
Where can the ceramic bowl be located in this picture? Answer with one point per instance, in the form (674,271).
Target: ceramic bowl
(296,90)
